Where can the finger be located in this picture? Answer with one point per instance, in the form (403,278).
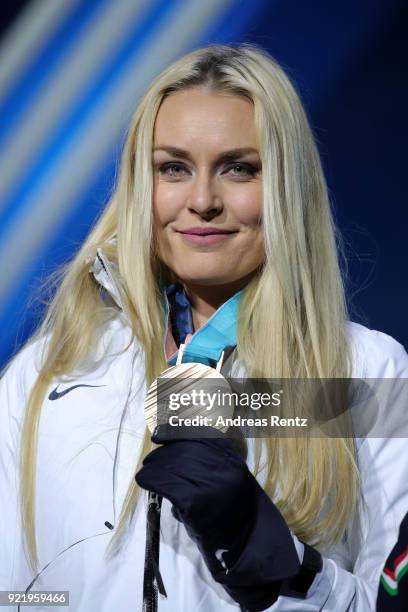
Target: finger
(166,433)
(188,456)
(171,486)
(183,450)
(201,479)
(209,436)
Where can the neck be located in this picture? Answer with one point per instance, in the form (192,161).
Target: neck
(206,299)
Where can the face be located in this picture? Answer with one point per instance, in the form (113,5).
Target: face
(207,188)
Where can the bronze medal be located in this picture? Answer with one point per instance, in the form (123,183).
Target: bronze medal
(205,386)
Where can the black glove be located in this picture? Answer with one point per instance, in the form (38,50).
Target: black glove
(242,536)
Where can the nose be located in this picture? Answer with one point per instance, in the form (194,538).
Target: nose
(204,197)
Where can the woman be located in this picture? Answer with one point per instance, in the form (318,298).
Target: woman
(219,236)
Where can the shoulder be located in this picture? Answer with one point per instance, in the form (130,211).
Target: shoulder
(375,354)
(22,371)
(16,381)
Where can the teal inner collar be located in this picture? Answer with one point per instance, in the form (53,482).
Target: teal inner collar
(209,341)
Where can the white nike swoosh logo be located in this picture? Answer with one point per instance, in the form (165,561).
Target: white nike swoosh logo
(218,554)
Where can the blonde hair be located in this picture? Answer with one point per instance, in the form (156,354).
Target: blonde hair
(292,314)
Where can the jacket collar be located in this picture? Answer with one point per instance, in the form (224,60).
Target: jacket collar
(106,274)
(219,333)
(206,345)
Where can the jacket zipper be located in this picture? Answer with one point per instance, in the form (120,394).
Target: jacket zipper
(152,580)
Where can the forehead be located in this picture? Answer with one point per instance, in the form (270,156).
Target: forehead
(197,116)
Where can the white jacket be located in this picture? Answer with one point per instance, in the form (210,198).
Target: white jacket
(89,443)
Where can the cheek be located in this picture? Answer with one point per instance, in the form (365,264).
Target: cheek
(247,206)
(166,204)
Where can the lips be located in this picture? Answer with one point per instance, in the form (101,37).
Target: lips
(206,231)
(206,236)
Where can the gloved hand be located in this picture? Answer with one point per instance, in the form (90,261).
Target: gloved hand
(242,536)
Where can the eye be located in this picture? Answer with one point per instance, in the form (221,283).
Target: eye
(172,169)
(244,170)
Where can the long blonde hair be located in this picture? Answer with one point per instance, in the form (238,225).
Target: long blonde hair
(292,315)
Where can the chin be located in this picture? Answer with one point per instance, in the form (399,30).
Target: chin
(204,279)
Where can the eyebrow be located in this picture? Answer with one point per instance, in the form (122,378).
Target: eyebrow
(232,154)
